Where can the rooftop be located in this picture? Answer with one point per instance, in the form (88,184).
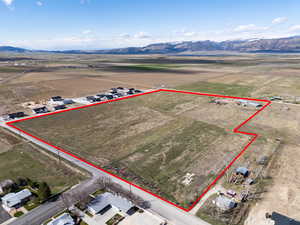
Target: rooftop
(106,199)
(13,199)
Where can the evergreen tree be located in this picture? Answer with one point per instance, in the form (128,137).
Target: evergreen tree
(44,191)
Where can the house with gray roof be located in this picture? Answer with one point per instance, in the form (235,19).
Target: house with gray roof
(15,200)
(224,203)
(64,219)
(104,202)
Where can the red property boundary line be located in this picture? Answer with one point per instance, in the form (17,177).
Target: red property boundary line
(235,130)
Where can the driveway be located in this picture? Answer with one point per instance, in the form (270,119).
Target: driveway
(3,215)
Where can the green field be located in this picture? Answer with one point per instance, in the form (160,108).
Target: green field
(23,160)
(219,88)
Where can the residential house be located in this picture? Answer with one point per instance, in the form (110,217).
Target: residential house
(93,99)
(64,219)
(68,101)
(104,202)
(59,107)
(56,99)
(40,110)
(16,115)
(15,200)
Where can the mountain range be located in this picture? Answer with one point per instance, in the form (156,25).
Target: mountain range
(278,45)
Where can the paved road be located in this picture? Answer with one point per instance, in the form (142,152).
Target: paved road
(171,213)
(4,216)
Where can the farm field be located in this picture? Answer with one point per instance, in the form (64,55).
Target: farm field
(248,75)
(19,159)
(171,133)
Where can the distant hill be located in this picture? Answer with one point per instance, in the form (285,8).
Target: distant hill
(12,49)
(279,45)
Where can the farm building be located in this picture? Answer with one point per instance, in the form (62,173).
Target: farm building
(64,219)
(40,110)
(15,200)
(248,103)
(5,185)
(224,203)
(104,202)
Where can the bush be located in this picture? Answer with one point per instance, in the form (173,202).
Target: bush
(18,214)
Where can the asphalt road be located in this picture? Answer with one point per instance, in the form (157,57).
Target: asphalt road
(160,207)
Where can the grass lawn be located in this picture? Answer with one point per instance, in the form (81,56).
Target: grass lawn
(22,160)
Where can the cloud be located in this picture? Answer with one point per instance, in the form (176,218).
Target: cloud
(294,28)
(249,27)
(7,2)
(142,35)
(125,36)
(279,20)
(39,3)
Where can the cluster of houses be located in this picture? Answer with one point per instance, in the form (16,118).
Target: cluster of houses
(229,199)
(58,103)
(113,94)
(108,208)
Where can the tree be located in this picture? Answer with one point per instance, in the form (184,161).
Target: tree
(44,191)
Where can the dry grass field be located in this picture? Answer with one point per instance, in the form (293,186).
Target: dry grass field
(171,133)
(252,75)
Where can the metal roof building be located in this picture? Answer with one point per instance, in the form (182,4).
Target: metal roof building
(224,203)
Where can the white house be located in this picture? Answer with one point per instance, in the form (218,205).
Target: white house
(15,200)
(107,200)
(64,219)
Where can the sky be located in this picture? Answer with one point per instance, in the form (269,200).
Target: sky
(104,24)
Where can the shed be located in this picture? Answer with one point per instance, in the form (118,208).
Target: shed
(107,200)
(242,170)
(225,203)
